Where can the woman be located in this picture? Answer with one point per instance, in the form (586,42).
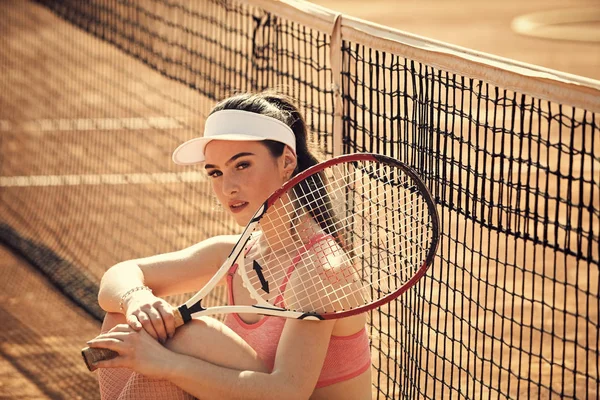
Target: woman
(252,144)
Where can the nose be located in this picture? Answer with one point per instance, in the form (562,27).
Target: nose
(230,185)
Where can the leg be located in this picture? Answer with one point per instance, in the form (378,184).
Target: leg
(112,319)
(204,338)
(112,381)
(125,384)
(208,339)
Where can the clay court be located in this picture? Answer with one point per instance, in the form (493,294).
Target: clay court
(509,310)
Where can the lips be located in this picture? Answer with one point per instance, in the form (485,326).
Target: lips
(237,205)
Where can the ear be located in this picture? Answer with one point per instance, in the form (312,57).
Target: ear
(289,161)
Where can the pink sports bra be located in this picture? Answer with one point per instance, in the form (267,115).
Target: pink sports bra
(347,356)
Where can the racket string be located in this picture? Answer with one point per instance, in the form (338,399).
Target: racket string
(378,258)
(366,208)
(408,271)
(381,256)
(367,211)
(408,235)
(316,200)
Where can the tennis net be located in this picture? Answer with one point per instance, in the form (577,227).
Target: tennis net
(96,94)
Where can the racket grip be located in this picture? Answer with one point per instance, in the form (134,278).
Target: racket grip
(91,355)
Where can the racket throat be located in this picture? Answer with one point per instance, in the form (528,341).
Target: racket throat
(186,312)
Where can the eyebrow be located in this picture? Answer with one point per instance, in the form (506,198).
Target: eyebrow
(232,159)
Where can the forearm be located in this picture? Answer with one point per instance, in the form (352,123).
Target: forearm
(116,282)
(207,381)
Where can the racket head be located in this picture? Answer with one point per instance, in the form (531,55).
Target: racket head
(341,238)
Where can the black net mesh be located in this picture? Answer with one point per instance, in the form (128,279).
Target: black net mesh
(95,95)
(511,308)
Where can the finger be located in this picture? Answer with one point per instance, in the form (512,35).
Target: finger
(147,324)
(120,328)
(106,343)
(114,335)
(166,312)
(158,323)
(133,322)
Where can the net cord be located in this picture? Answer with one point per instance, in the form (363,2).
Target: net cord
(540,82)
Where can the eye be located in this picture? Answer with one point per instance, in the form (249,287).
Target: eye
(215,173)
(242,165)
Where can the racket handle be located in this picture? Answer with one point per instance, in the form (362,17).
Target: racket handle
(92,355)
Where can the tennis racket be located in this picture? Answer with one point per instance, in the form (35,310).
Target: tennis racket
(339,239)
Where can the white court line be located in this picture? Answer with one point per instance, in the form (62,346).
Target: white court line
(94,124)
(105,179)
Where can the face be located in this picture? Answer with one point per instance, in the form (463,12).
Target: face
(244,173)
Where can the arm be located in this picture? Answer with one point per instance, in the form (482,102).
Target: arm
(300,356)
(177,272)
(170,273)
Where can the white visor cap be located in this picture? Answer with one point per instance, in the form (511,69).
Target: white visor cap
(234,125)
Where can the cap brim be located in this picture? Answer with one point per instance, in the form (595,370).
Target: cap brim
(192,151)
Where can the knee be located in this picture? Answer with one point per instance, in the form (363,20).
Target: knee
(112,319)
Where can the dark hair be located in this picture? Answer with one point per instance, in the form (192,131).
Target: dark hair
(283,108)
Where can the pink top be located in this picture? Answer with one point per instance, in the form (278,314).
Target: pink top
(347,356)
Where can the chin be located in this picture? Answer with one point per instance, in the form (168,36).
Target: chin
(241,223)
(242,220)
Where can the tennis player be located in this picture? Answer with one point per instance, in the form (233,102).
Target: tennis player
(252,144)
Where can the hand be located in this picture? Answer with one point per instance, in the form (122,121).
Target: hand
(155,315)
(137,350)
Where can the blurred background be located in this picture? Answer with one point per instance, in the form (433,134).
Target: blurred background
(86,181)
(486,26)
